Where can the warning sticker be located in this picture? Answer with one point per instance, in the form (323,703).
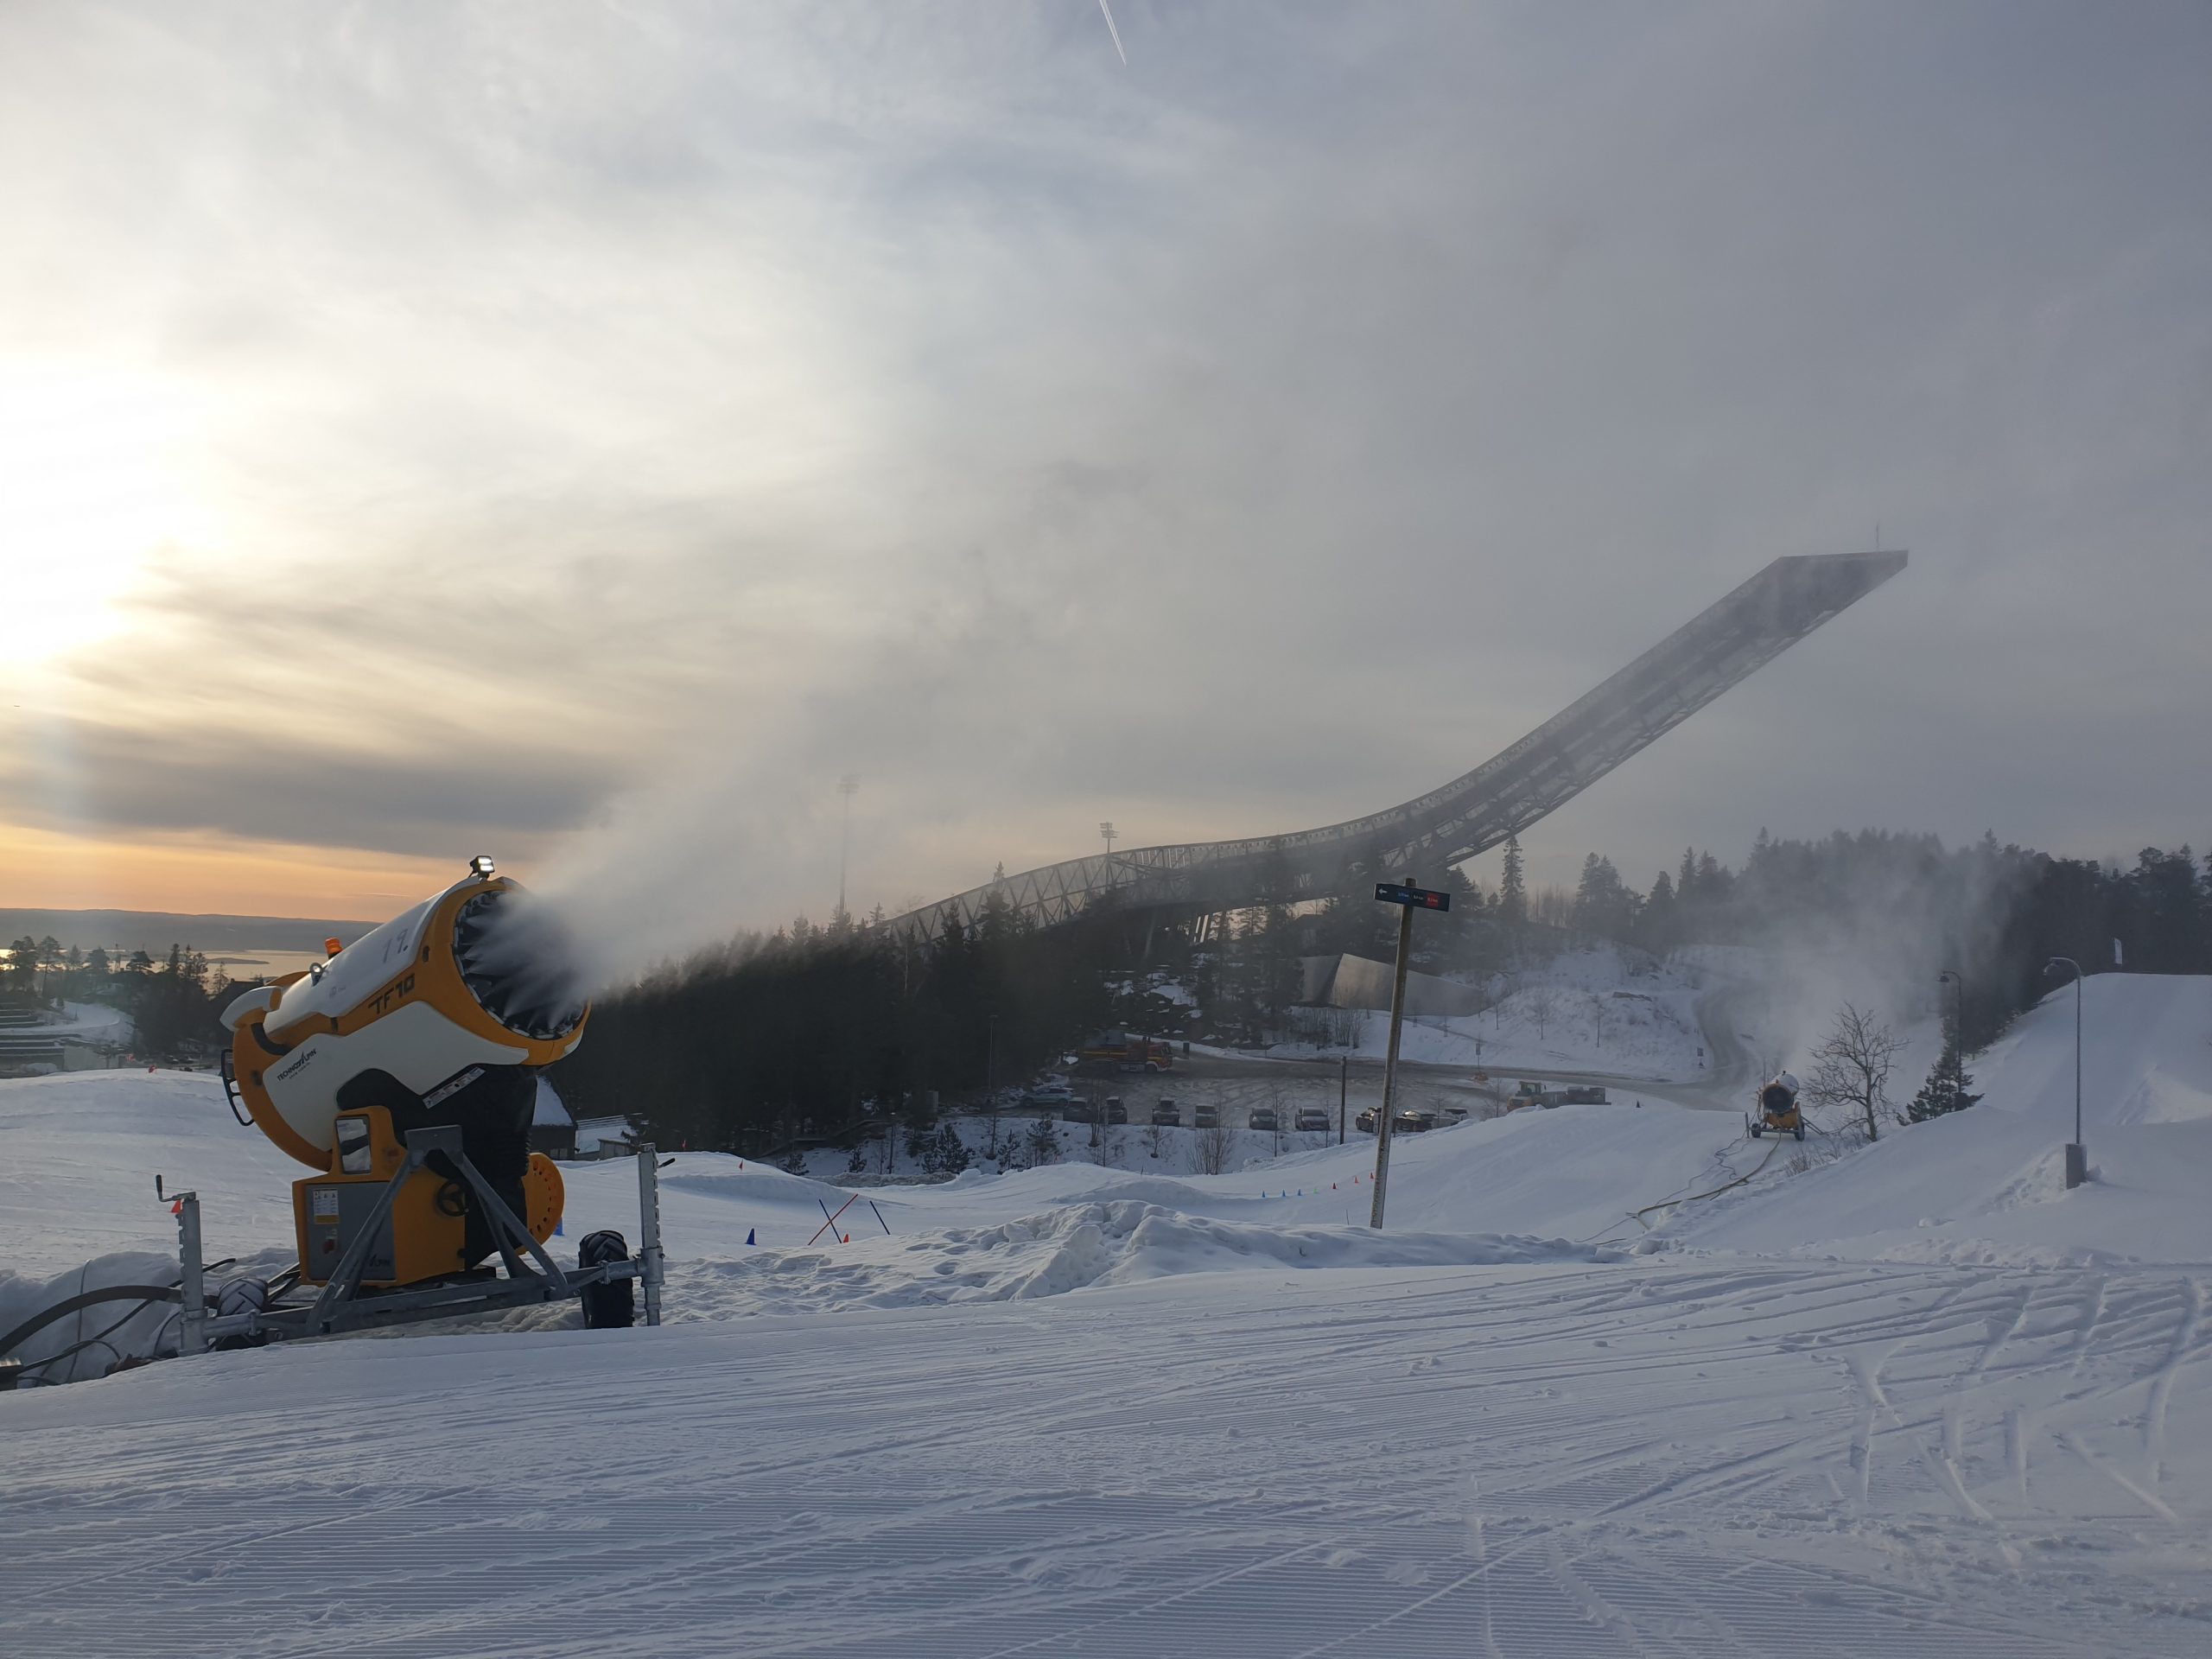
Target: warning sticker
(325,1203)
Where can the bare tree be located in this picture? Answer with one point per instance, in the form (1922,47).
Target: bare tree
(1508,981)
(1156,1139)
(1211,1149)
(1541,1004)
(1851,1069)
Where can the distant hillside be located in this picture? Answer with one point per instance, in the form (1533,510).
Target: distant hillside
(154,930)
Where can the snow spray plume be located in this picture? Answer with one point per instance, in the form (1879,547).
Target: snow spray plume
(1873,920)
(737,834)
(519,960)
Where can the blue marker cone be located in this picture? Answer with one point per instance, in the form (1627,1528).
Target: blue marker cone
(749,1234)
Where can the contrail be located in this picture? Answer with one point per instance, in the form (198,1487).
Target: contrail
(1115,32)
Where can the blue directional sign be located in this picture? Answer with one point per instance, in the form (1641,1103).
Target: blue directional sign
(1397,893)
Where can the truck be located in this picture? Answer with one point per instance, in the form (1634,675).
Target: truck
(1120,1051)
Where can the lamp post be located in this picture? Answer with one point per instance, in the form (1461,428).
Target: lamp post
(849,786)
(1107,833)
(1407,898)
(2077,1158)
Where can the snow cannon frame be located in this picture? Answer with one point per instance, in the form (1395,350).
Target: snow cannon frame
(280,1310)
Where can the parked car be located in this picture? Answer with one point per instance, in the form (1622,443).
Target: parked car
(1365,1122)
(1313,1117)
(1412,1121)
(1205,1117)
(1075,1111)
(1262,1117)
(1455,1115)
(1166,1113)
(1115,1112)
(1053,1091)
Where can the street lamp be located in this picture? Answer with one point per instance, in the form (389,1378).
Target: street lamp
(2077,1158)
(1107,832)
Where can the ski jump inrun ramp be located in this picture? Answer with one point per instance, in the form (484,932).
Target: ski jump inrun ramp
(1501,796)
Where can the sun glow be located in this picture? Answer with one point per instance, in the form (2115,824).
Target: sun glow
(90,490)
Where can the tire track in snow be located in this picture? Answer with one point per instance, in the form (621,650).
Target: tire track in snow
(2162,1385)
(2150,1500)
(1998,1340)
(2083,1337)
(1871,1400)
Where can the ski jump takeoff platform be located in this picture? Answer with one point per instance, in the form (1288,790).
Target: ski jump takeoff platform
(1501,797)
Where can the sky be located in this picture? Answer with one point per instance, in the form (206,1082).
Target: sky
(583,433)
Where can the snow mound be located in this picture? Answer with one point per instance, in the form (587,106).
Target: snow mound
(1117,1242)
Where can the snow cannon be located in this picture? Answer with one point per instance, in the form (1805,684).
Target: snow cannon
(1778,1109)
(438,1019)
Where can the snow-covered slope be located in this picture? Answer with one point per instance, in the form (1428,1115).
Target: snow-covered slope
(1077,1408)
(1988,1184)
(78,1153)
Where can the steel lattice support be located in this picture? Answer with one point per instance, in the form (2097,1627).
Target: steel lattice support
(1501,797)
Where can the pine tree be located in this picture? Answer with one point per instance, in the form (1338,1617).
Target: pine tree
(1946,1088)
(1655,922)
(1513,888)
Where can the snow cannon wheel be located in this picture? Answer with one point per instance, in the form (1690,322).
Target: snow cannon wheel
(612,1306)
(1800,1131)
(1757,1130)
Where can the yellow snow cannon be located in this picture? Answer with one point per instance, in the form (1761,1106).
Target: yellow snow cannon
(439,1018)
(1778,1110)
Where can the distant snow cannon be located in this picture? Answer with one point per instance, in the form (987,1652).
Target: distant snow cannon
(440,1018)
(1778,1110)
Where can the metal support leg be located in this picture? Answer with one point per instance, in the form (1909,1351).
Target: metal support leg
(649,1227)
(192,1287)
(346,1278)
(508,1230)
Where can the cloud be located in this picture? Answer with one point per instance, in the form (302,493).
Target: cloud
(643,415)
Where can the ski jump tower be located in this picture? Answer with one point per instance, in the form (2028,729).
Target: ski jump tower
(1501,796)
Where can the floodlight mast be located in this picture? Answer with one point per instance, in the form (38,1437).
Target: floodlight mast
(849,786)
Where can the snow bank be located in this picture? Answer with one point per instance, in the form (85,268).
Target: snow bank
(1118,1242)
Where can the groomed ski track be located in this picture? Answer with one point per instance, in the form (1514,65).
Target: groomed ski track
(1624,1458)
